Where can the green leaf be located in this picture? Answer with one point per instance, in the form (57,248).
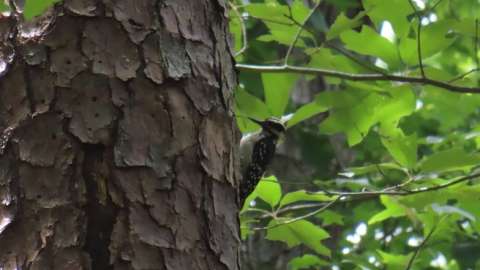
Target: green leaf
(444,218)
(284,34)
(269,190)
(440,32)
(392,209)
(277,89)
(307,261)
(305,112)
(375,168)
(400,101)
(402,148)
(393,11)
(299,232)
(352,112)
(466,26)
(251,105)
(327,59)
(394,261)
(449,160)
(282,29)
(274,11)
(369,42)
(430,220)
(442,106)
(36,7)
(299,10)
(271,10)
(435,31)
(248,105)
(330,217)
(343,23)
(423,201)
(356,109)
(303,195)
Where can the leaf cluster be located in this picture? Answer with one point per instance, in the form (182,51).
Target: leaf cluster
(385,76)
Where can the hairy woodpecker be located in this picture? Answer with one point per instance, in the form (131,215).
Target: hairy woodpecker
(256,153)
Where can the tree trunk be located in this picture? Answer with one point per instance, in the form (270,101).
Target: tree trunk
(118,145)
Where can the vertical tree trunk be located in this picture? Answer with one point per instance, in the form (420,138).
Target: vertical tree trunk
(117,147)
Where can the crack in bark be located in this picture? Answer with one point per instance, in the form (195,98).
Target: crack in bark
(101,216)
(28,88)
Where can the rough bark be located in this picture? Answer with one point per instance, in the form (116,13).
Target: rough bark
(117,148)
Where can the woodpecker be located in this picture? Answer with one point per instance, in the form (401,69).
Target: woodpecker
(256,153)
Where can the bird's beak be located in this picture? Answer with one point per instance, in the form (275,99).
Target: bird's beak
(260,123)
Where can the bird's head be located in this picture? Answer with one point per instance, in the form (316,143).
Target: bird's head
(271,125)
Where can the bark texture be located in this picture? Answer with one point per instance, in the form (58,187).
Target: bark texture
(117,148)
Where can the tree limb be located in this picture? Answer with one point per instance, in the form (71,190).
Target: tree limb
(289,221)
(417,250)
(352,196)
(357,77)
(299,32)
(419,43)
(244,30)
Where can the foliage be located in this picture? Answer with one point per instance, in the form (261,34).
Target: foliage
(32,8)
(400,84)
(35,7)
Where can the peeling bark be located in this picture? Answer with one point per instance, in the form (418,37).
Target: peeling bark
(117,148)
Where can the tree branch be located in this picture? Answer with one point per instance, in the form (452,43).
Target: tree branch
(244,30)
(476,44)
(419,44)
(461,76)
(352,196)
(299,32)
(417,250)
(289,221)
(357,77)
(387,190)
(364,64)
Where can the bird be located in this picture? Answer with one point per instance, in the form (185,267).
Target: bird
(257,150)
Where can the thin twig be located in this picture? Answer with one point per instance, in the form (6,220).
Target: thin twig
(417,250)
(401,185)
(404,192)
(436,4)
(355,196)
(258,210)
(289,208)
(476,44)
(461,76)
(271,20)
(243,27)
(300,207)
(297,23)
(419,44)
(364,64)
(289,221)
(357,77)
(449,184)
(299,32)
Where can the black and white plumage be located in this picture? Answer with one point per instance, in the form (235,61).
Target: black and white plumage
(257,151)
